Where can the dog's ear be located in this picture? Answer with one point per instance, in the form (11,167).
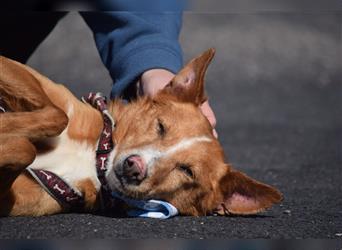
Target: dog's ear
(188,84)
(244,195)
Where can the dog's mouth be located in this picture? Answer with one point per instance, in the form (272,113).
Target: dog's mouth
(127,175)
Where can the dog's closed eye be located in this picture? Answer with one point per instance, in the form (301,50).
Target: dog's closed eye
(161,128)
(186,169)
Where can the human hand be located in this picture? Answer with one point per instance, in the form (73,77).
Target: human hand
(154,80)
(209,113)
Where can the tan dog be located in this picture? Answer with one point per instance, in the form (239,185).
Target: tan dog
(164,148)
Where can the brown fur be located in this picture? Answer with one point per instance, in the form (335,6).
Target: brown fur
(89,193)
(41,112)
(27,198)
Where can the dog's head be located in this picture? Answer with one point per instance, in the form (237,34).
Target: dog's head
(165,150)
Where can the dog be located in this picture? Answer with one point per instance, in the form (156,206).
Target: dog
(164,148)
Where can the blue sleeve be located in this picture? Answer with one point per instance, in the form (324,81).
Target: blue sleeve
(130,43)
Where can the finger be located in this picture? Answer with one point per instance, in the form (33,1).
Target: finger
(215,133)
(208,112)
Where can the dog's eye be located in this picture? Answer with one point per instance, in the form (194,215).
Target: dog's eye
(185,168)
(161,129)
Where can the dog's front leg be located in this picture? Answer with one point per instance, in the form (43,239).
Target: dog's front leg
(45,122)
(20,194)
(16,153)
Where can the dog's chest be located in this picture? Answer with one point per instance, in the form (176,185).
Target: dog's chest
(71,160)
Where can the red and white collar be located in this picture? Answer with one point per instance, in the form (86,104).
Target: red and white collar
(68,197)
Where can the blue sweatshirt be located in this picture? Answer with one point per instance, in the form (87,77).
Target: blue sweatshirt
(130,43)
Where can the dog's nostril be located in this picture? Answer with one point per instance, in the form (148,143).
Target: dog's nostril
(134,168)
(129,162)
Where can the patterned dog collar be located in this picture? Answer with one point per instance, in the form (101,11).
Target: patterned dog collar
(68,197)
(105,147)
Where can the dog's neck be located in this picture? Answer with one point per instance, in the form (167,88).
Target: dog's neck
(117,108)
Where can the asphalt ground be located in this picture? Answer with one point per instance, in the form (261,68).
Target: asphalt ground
(275,86)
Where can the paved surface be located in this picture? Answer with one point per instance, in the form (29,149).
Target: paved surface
(279,119)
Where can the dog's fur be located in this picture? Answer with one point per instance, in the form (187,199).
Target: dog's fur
(49,128)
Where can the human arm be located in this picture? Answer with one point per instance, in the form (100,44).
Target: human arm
(140,47)
(132,43)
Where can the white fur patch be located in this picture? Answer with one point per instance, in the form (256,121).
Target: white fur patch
(185,143)
(70,160)
(150,153)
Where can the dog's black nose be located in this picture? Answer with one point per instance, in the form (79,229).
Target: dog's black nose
(134,169)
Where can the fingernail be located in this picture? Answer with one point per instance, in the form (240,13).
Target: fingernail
(215,133)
